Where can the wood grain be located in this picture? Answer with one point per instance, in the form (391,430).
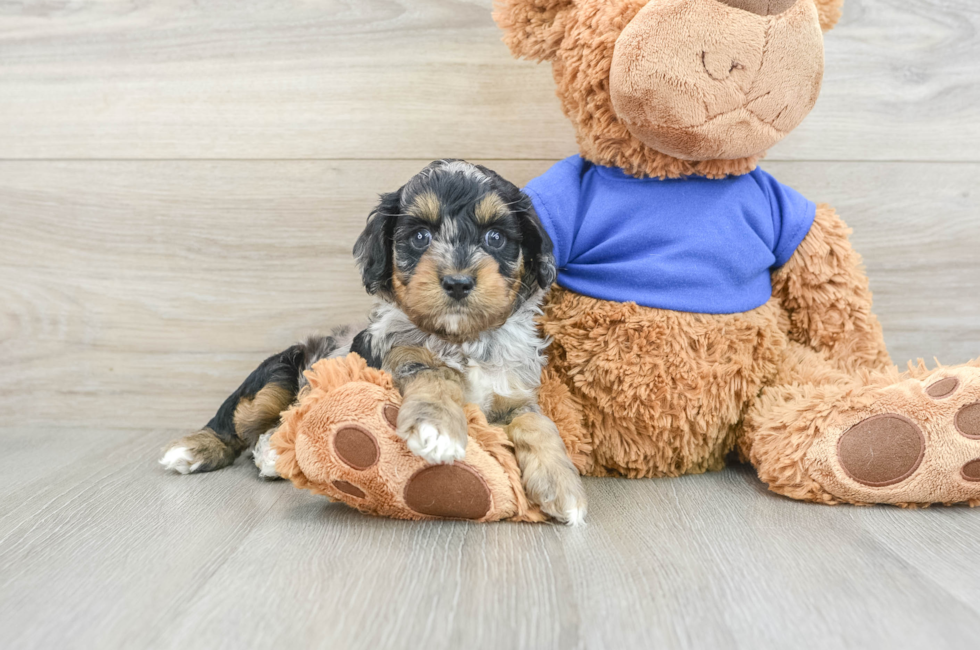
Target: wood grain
(139,294)
(416,79)
(118,554)
(180,186)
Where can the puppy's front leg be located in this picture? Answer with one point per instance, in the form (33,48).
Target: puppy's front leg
(431,419)
(550,479)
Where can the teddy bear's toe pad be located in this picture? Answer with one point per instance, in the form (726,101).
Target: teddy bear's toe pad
(943,388)
(971,471)
(882,450)
(349,488)
(356,446)
(454,491)
(968,421)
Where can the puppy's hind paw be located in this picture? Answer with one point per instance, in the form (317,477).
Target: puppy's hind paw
(199,452)
(265,456)
(179,459)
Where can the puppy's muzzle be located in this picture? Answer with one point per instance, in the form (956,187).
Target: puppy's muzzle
(458,286)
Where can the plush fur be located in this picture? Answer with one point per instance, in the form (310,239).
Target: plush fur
(579,38)
(802,387)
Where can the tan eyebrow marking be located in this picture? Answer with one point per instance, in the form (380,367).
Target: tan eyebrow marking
(426,206)
(489,208)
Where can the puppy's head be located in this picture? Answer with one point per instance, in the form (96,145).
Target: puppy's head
(458,248)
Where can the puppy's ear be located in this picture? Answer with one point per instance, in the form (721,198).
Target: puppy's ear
(373,250)
(539,258)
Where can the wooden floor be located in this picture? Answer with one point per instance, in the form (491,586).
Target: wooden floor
(99,549)
(180,186)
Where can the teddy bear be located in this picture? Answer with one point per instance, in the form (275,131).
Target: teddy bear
(702,311)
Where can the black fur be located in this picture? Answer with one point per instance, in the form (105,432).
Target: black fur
(373,248)
(362,346)
(284,370)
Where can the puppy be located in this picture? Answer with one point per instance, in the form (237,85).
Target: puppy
(459,262)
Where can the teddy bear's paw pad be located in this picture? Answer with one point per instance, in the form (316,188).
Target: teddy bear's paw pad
(448,491)
(968,421)
(881,450)
(356,447)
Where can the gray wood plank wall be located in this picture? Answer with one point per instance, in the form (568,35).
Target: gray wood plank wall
(181,182)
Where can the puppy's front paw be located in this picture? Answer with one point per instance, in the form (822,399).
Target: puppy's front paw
(433,432)
(557,489)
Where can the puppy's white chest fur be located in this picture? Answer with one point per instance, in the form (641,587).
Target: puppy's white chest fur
(483,383)
(505,362)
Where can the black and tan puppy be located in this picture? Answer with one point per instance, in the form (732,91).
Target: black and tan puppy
(460,264)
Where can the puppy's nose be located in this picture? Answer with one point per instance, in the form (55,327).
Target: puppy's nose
(458,286)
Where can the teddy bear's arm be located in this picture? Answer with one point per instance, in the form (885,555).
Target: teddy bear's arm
(825,292)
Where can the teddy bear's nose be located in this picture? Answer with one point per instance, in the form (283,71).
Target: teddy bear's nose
(761,7)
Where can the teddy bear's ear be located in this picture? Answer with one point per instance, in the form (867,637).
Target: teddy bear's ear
(829,11)
(533,29)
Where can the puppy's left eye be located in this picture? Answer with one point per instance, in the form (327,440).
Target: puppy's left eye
(420,239)
(495,239)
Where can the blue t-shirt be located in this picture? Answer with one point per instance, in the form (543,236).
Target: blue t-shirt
(689,244)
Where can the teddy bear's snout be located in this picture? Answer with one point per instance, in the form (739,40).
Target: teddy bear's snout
(717,79)
(761,7)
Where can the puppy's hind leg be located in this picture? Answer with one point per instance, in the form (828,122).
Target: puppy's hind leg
(201,451)
(238,424)
(250,411)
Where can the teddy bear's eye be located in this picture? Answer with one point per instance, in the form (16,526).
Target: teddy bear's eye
(420,239)
(495,239)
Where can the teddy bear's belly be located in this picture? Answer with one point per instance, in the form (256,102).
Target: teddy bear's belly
(662,392)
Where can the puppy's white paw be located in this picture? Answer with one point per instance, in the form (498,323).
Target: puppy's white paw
(427,441)
(181,460)
(574,514)
(265,456)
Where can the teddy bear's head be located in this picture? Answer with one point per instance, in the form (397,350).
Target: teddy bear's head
(677,87)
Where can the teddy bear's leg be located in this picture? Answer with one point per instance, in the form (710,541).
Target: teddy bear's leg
(874,437)
(644,392)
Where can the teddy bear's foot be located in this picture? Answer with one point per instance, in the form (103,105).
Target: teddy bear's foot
(913,443)
(341,441)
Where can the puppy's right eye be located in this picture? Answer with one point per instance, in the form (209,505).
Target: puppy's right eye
(420,239)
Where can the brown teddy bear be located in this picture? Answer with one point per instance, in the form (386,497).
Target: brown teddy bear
(702,307)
